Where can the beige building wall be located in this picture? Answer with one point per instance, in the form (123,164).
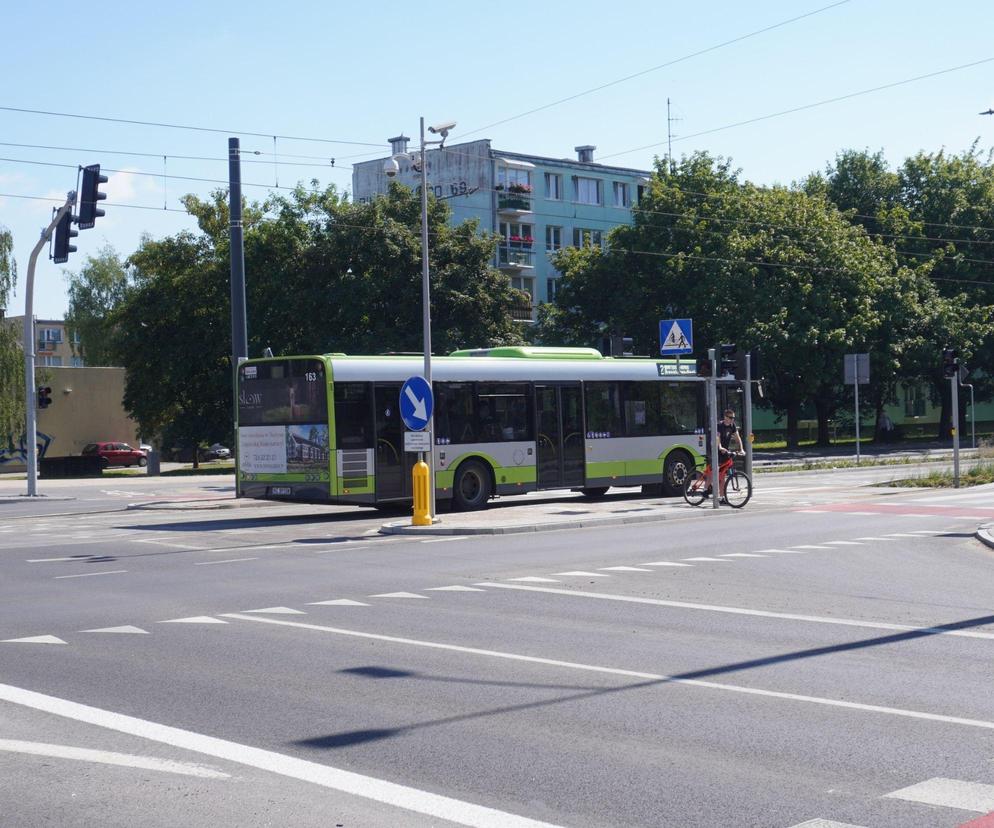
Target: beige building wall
(87,406)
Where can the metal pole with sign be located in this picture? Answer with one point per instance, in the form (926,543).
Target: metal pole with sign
(713,426)
(954,380)
(856,372)
(747,414)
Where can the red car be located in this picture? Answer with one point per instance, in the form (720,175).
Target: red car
(116,454)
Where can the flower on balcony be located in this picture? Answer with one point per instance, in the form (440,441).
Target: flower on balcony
(521,241)
(519,188)
(499,188)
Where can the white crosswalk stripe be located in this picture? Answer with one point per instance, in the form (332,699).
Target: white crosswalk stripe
(951,793)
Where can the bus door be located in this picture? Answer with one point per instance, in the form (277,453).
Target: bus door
(393,469)
(559,435)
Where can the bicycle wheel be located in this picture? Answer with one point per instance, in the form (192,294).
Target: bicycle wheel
(738,489)
(696,488)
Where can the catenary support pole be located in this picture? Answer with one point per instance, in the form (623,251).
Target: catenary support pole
(30,401)
(856,395)
(747,414)
(239,326)
(426,316)
(713,426)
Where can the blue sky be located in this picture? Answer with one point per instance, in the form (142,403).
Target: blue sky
(364,72)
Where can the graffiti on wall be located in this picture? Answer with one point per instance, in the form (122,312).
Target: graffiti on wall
(18,455)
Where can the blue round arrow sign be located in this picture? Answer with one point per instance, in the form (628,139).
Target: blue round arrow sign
(416,403)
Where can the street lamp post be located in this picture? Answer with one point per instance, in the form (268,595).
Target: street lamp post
(391,167)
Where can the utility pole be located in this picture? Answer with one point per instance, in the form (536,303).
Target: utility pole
(669,138)
(239,326)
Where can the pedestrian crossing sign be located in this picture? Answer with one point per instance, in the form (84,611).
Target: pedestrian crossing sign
(676,336)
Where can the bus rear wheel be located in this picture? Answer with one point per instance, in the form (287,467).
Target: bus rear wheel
(472,486)
(676,469)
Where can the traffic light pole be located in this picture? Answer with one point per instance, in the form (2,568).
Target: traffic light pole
(954,380)
(713,426)
(31,424)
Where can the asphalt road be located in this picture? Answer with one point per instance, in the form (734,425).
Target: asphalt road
(823,654)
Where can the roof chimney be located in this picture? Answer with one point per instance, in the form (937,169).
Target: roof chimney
(398,145)
(585,154)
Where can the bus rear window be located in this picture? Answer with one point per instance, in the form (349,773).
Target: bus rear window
(285,392)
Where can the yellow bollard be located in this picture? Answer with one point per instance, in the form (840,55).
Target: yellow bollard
(419,477)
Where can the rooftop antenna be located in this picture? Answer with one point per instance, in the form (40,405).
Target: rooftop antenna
(669,137)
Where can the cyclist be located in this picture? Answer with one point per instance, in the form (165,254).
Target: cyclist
(728,433)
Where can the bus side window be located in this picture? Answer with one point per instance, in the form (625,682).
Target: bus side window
(455,420)
(353,415)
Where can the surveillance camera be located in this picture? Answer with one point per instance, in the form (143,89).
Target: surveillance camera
(442,129)
(391,167)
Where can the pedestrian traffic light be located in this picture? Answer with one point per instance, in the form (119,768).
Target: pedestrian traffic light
(727,360)
(63,234)
(89,195)
(44,397)
(950,363)
(704,366)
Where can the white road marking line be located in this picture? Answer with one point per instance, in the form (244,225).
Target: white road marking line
(623,569)
(278,611)
(782,551)
(825,823)
(928,531)
(92,574)
(173,544)
(444,540)
(350,548)
(719,560)
(579,573)
(843,543)
(864,514)
(536,579)
(910,515)
(230,560)
(786,616)
(454,588)
(124,629)
(399,595)
(615,671)
(105,757)
(368,787)
(340,602)
(743,555)
(666,563)
(811,546)
(951,793)
(900,535)
(35,639)
(194,619)
(875,539)
(60,560)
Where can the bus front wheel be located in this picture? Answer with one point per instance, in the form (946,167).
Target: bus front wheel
(472,486)
(676,469)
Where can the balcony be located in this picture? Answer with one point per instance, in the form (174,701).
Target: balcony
(515,199)
(522,311)
(515,256)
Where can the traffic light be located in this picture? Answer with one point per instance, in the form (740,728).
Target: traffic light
(740,364)
(950,362)
(44,397)
(703,366)
(617,346)
(89,195)
(727,361)
(63,234)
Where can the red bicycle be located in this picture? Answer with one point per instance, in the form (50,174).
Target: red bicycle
(734,484)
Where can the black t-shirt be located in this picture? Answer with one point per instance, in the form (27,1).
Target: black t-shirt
(725,432)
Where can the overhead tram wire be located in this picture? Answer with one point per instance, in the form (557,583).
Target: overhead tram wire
(164,125)
(653,253)
(805,107)
(673,62)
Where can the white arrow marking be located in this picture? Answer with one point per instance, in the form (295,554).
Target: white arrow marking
(37,639)
(278,611)
(420,411)
(194,619)
(399,595)
(338,602)
(124,629)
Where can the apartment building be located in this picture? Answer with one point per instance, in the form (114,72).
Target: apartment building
(536,205)
(51,341)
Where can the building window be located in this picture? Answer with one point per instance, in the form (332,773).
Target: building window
(512,177)
(77,362)
(641,192)
(914,401)
(587,237)
(553,238)
(621,196)
(554,186)
(588,190)
(50,334)
(551,289)
(525,283)
(517,235)
(51,361)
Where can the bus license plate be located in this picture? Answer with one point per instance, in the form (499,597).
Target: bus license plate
(280,490)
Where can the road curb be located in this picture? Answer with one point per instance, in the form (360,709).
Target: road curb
(985,534)
(194,505)
(405,528)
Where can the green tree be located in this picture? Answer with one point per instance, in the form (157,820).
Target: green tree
(11,354)
(99,287)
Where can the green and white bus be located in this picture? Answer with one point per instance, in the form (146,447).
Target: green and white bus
(327,428)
